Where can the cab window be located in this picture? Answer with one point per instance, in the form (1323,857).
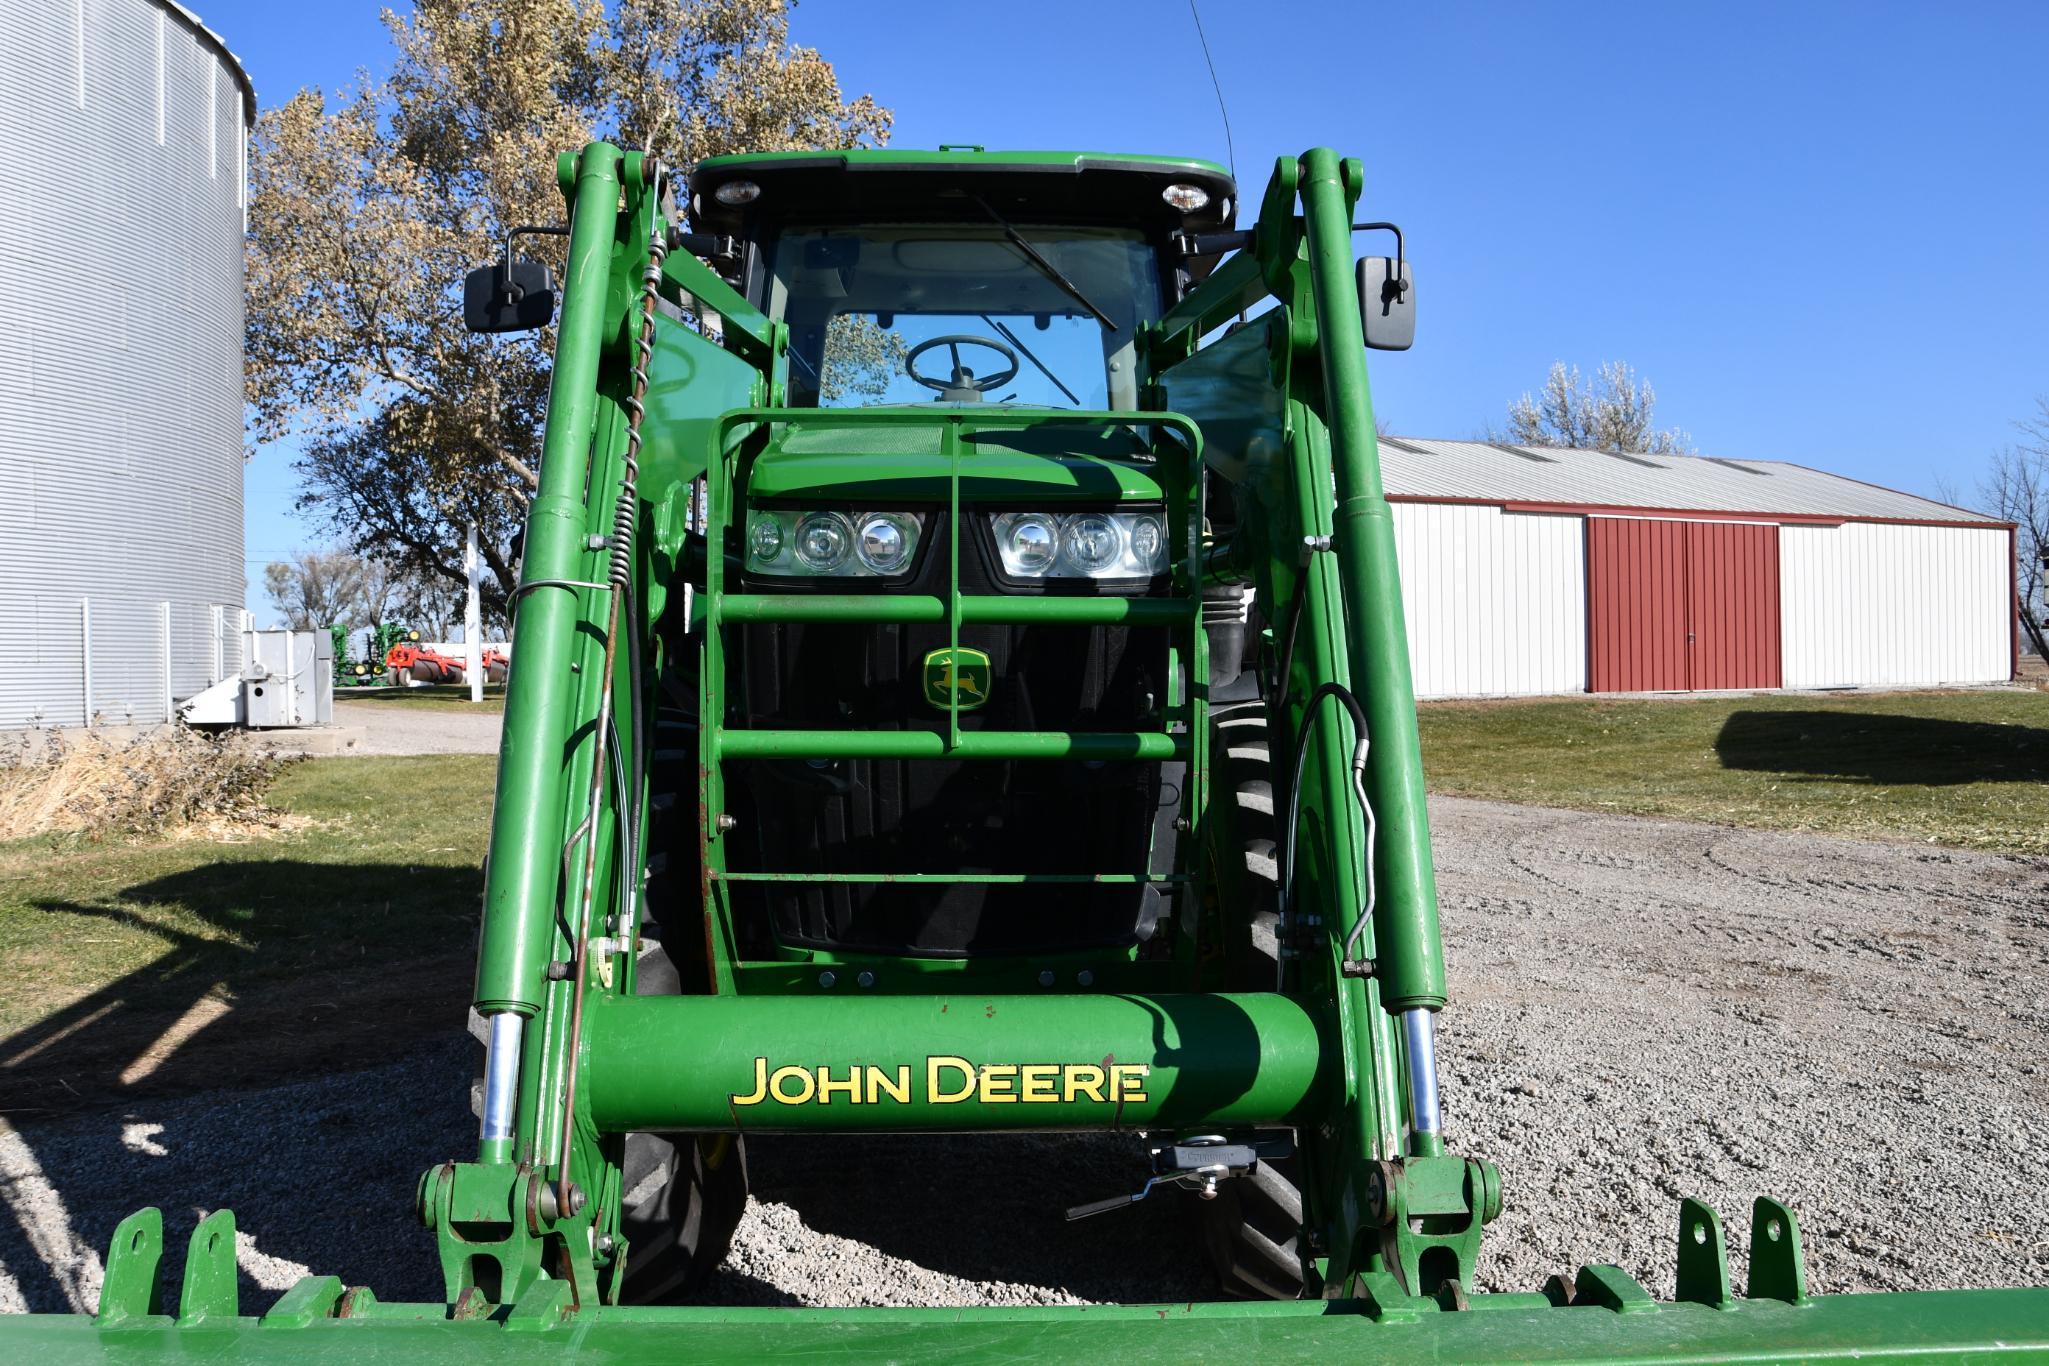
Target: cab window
(963,314)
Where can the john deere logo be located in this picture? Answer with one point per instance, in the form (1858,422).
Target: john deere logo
(959,672)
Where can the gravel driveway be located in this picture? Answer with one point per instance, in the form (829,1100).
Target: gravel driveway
(401,729)
(1640,1010)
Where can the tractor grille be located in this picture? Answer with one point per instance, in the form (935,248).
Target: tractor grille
(890,816)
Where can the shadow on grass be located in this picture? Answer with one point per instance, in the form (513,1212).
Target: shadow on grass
(1893,751)
(331,968)
(328,966)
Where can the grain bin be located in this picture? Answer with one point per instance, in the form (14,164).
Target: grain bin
(124,151)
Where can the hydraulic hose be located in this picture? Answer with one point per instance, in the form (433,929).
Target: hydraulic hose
(1419,1023)
(631,804)
(1361,747)
(625,522)
(1285,680)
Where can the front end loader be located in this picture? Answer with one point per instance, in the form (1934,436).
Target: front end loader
(962,686)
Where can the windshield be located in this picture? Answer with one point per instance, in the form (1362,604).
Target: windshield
(860,302)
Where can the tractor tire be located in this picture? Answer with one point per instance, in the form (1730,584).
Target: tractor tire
(683,1195)
(1252,1229)
(1240,756)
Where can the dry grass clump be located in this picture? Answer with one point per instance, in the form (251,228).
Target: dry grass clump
(168,781)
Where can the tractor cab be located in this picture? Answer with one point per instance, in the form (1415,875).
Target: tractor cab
(959,276)
(963,331)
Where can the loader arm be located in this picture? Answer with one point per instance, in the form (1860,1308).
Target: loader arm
(1251,446)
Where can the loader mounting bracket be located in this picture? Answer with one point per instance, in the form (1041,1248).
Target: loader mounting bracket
(1429,1212)
(499,1235)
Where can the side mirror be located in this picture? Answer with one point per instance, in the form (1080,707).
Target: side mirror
(518,296)
(1387,303)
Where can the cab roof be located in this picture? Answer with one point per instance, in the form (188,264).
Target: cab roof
(903,184)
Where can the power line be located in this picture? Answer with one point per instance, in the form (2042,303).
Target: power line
(1230,149)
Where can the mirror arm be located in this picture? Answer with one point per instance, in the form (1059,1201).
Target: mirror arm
(1394,281)
(705,245)
(532,230)
(512,293)
(1212,243)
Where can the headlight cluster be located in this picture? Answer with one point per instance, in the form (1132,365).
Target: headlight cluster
(841,545)
(1081,545)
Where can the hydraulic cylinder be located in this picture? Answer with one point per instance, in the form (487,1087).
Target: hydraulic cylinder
(1409,959)
(527,824)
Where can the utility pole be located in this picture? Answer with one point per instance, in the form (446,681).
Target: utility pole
(472,620)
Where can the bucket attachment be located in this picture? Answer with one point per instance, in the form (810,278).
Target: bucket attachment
(1597,1314)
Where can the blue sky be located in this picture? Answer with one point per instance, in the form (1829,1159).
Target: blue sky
(1822,230)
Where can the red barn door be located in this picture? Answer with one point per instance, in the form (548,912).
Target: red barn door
(1636,605)
(1674,606)
(1732,572)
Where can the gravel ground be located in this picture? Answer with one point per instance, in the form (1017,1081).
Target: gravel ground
(402,729)
(1641,1010)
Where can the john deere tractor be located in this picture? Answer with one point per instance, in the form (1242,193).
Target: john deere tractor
(962,687)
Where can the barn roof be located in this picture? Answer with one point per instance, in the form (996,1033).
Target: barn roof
(1543,476)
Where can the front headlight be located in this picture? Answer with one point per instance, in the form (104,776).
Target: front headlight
(836,545)
(1081,545)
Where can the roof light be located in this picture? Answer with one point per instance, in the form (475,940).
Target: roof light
(737,192)
(1187,198)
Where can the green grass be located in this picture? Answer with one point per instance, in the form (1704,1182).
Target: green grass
(387,872)
(1969,769)
(369,913)
(432,697)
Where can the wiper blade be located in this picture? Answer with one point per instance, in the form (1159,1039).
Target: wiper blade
(1016,341)
(1038,258)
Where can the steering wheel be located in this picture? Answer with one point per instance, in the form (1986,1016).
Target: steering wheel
(965,386)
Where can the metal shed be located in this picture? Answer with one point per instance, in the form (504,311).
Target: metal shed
(1534,570)
(123,150)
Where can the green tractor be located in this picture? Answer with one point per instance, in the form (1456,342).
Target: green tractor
(963,687)
(370,671)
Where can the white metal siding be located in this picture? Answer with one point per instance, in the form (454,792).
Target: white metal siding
(1872,605)
(121,354)
(1495,601)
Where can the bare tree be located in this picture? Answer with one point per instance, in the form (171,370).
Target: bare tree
(315,589)
(410,511)
(430,607)
(1612,412)
(2016,489)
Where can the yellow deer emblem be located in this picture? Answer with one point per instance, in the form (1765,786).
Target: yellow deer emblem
(958,673)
